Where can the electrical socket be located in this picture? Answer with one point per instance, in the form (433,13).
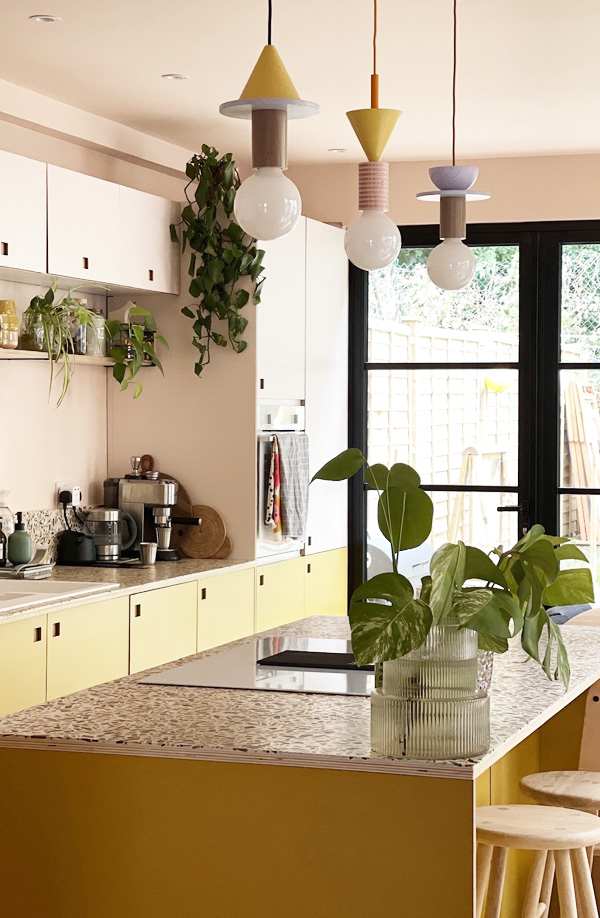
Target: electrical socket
(68,486)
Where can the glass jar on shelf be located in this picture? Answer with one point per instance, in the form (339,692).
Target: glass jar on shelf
(96,335)
(9,324)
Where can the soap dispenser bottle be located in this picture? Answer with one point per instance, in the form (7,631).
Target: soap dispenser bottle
(19,543)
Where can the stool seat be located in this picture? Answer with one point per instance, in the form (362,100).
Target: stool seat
(577,789)
(536,828)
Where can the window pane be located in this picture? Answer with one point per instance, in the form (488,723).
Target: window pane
(410,319)
(467,515)
(579,520)
(453,426)
(580,428)
(580,303)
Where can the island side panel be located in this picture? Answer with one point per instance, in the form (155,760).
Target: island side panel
(97,835)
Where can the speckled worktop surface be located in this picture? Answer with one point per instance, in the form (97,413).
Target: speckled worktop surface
(126,579)
(318,731)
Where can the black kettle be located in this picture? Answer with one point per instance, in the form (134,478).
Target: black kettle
(75,548)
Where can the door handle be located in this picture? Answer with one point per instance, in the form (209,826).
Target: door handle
(510,508)
(137,610)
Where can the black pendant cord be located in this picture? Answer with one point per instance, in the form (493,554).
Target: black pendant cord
(269,22)
(453,92)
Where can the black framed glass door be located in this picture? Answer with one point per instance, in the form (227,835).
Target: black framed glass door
(472,389)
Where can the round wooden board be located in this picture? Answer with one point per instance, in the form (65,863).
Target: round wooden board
(224,551)
(206,540)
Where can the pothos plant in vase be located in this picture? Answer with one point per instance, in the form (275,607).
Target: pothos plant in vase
(427,702)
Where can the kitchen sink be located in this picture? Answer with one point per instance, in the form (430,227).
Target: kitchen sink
(15,593)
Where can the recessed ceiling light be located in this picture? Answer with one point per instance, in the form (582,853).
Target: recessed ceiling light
(174,76)
(45,17)
(337,150)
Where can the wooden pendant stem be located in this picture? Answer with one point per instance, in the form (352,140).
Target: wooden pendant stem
(269,138)
(453,218)
(374,90)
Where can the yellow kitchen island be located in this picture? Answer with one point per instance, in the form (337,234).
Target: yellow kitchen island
(146,801)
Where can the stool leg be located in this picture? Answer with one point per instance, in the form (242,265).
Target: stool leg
(484,859)
(583,884)
(564,880)
(531,904)
(547,884)
(496,885)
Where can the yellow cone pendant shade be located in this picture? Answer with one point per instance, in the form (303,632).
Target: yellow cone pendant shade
(373,127)
(269,79)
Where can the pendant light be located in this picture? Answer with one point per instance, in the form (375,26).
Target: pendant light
(452,264)
(373,240)
(267,204)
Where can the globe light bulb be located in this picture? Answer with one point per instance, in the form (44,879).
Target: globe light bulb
(451,265)
(267,205)
(372,241)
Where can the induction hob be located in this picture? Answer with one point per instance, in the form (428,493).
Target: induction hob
(240,668)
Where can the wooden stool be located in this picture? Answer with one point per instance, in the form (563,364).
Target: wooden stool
(579,790)
(559,837)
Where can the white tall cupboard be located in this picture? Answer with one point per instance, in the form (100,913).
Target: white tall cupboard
(326,381)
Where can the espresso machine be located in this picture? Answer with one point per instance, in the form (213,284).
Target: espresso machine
(149,499)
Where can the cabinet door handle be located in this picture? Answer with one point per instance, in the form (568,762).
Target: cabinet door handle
(4,248)
(308,568)
(262,384)
(37,635)
(261,580)
(86,263)
(309,540)
(203,593)
(56,629)
(137,609)
(150,274)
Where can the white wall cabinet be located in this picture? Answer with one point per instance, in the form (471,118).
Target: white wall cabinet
(149,259)
(22,213)
(280,322)
(326,381)
(83,214)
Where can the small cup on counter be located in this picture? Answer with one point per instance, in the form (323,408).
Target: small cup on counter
(148,553)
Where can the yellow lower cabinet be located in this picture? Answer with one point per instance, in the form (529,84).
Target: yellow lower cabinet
(22,664)
(162,625)
(326,583)
(225,608)
(279,593)
(87,645)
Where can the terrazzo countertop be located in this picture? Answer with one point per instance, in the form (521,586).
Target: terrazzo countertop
(163,573)
(317,731)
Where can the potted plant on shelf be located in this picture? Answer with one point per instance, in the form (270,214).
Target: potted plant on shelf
(428,703)
(132,346)
(50,327)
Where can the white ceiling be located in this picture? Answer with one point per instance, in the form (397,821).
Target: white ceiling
(528,79)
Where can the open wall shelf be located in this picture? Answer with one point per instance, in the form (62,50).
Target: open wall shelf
(8,354)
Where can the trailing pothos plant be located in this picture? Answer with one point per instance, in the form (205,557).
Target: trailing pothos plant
(225,265)
(132,345)
(500,595)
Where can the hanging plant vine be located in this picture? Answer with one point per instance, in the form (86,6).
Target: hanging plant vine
(221,255)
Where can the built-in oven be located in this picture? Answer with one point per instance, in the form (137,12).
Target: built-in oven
(273,419)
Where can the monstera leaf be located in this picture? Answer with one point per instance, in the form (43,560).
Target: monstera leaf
(404,517)
(386,620)
(343,466)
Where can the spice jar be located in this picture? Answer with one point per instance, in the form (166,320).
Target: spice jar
(9,324)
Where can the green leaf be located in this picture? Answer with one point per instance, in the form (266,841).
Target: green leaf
(404,517)
(403,476)
(572,587)
(488,611)
(376,476)
(343,466)
(173,232)
(570,552)
(479,566)
(531,634)
(543,557)
(119,372)
(188,312)
(447,575)
(386,620)
(425,589)
(531,536)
